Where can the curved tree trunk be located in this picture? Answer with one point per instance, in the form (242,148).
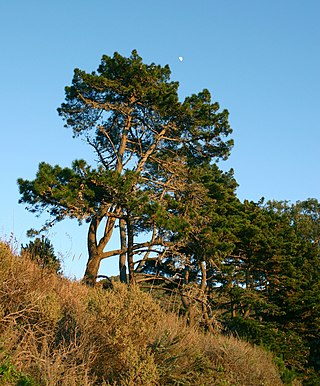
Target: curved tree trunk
(94,260)
(95,249)
(92,269)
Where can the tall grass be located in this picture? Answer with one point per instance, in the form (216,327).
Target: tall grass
(58,332)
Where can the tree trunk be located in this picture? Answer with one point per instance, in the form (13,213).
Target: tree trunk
(186,301)
(203,288)
(94,256)
(95,249)
(122,257)
(92,269)
(130,252)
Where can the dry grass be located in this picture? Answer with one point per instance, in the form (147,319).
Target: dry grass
(58,332)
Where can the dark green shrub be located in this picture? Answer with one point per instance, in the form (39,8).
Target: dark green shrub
(41,250)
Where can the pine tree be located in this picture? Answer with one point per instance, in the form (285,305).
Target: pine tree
(145,140)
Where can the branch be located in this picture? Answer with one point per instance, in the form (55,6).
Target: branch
(136,247)
(108,229)
(150,151)
(103,131)
(107,106)
(102,159)
(115,252)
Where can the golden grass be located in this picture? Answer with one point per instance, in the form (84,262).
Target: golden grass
(58,332)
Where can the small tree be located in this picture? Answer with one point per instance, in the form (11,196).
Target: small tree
(41,250)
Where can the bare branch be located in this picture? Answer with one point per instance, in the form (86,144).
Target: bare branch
(105,133)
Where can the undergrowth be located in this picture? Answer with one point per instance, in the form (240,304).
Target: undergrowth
(58,332)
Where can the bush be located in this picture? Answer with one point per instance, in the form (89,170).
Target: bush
(60,332)
(41,251)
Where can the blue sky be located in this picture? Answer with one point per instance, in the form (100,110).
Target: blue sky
(259,59)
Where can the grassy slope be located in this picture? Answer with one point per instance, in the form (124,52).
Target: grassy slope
(58,332)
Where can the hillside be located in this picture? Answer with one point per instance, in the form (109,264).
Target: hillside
(58,332)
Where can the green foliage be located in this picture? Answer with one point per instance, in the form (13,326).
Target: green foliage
(287,375)
(9,375)
(286,344)
(274,283)
(41,250)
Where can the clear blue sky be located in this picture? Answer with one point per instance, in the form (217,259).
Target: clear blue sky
(260,60)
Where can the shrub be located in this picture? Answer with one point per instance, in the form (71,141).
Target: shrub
(60,332)
(41,250)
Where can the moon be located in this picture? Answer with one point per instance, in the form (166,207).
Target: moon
(181,58)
